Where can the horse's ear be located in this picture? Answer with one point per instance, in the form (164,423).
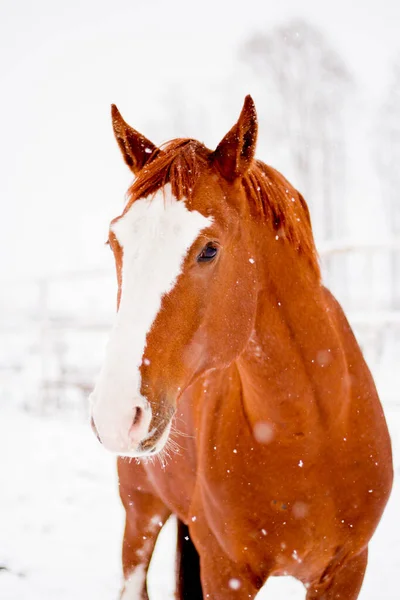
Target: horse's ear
(135,148)
(235,152)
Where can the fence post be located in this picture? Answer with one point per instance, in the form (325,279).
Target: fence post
(44,328)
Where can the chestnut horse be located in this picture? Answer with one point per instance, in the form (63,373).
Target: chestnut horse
(225,334)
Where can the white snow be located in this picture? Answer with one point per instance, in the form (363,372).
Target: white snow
(61,520)
(155,234)
(234,583)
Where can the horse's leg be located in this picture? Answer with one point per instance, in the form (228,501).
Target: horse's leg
(221,578)
(145,515)
(188,582)
(345,584)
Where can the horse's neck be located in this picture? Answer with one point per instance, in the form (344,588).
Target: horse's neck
(293,370)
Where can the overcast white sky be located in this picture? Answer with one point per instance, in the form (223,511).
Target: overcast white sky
(63,63)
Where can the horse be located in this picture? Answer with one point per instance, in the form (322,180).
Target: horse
(233,391)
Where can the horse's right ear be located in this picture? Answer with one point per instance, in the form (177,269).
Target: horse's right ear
(135,148)
(234,154)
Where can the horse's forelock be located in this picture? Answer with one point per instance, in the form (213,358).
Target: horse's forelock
(179,162)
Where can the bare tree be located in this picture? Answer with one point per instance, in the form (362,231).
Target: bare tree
(388,167)
(306,85)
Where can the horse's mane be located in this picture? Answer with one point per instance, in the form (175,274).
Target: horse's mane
(181,162)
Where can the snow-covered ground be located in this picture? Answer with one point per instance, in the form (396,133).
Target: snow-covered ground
(61,521)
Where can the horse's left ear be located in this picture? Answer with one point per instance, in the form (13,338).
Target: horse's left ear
(135,148)
(235,152)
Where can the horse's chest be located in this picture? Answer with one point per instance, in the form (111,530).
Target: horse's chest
(174,483)
(252,527)
(266,514)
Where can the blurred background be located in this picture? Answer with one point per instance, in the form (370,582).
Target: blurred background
(325,77)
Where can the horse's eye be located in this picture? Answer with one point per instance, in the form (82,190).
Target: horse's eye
(208,253)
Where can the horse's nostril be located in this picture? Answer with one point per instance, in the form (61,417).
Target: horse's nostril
(138,416)
(94,429)
(138,429)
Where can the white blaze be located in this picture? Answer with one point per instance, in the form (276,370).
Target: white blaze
(155,234)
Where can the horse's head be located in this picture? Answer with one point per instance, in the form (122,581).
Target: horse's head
(187,278)
(186,285)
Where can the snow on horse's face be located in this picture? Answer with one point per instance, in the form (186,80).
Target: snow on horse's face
(186,283)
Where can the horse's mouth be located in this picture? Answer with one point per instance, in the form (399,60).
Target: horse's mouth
(158,435)
(149,445)
(154,443)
